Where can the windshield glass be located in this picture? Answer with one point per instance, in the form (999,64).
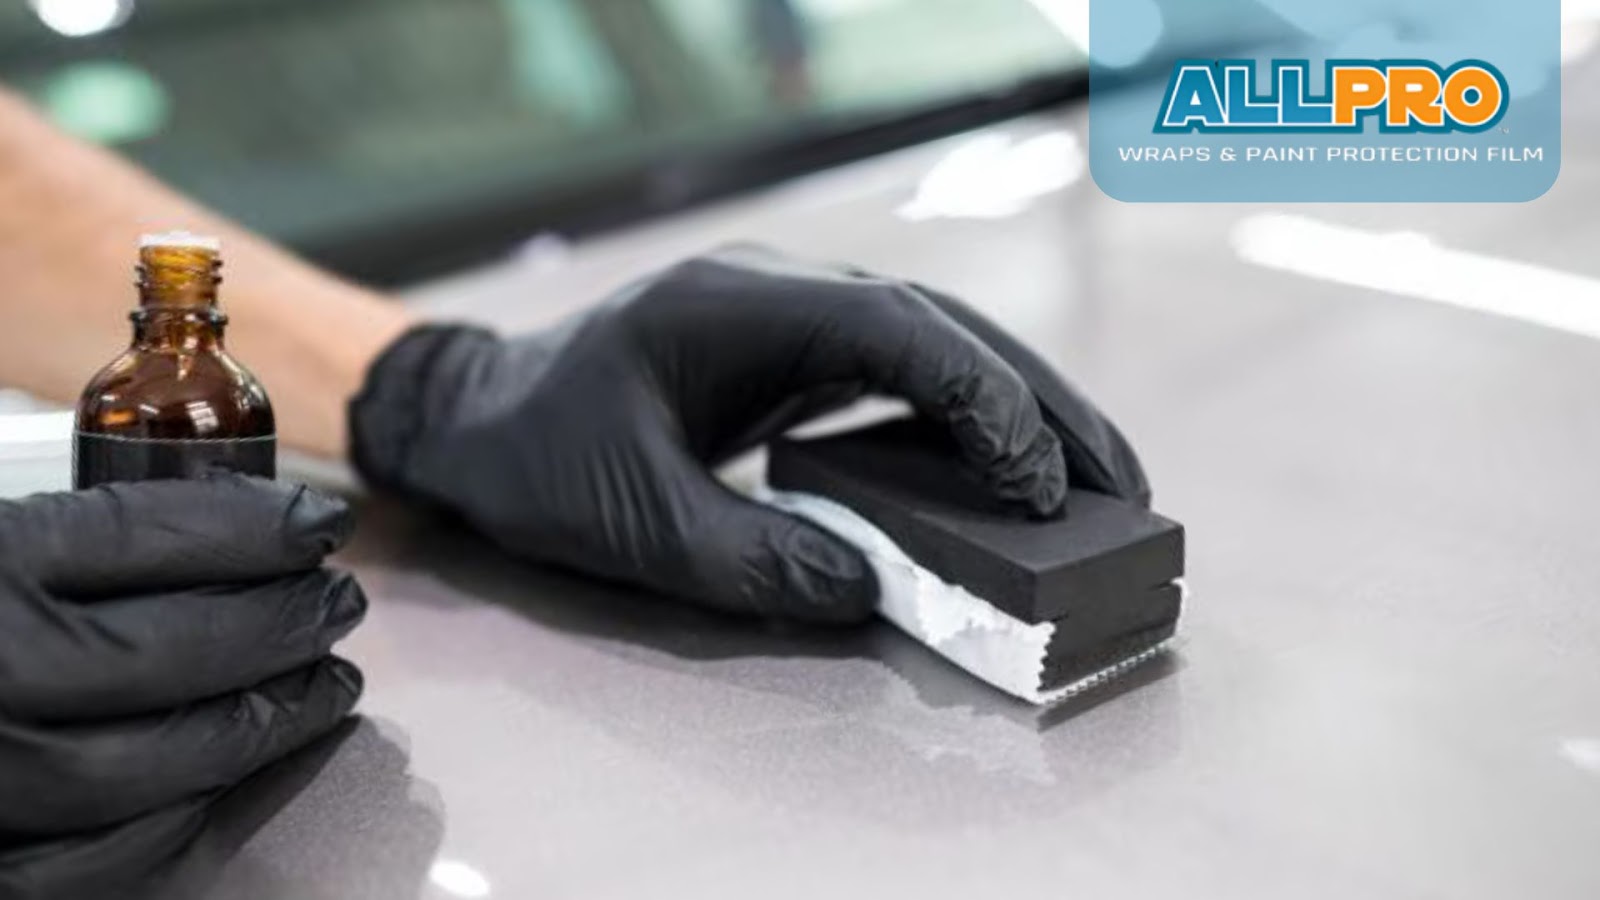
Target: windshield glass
(311,120)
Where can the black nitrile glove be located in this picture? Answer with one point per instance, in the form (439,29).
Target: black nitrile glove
(588,446)
(159,642)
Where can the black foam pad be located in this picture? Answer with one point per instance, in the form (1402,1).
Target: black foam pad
(1093,569)
(1109,632)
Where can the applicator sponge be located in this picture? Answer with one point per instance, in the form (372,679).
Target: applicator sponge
(1098,584)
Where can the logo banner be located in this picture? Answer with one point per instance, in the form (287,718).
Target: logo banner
(1306,100)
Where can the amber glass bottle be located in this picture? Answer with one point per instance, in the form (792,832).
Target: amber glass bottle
(174,404)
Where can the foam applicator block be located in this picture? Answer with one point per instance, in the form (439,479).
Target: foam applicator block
(1124,627)
(1102,570)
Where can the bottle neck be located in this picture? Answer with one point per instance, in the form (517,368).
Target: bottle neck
(184,329)
(178,299)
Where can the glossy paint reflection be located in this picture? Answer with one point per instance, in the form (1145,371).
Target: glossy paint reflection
(1413,264)
(458,879)
(993,176)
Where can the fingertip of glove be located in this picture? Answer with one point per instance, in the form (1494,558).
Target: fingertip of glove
(348,677)
(322,521)
(1034,481)
(1049,500)
(345,601)
(317,521)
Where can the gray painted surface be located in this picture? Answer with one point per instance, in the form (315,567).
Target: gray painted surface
(1389,685)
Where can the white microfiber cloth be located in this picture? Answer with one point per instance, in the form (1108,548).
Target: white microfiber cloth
(967,630)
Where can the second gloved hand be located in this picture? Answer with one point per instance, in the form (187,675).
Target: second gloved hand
(590,446)
(159,642)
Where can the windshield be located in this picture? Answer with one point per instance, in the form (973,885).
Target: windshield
(326,124)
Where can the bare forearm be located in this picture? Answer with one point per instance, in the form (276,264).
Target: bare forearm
(70,214)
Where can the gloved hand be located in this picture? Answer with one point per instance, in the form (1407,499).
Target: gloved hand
(159,642)
(588,446)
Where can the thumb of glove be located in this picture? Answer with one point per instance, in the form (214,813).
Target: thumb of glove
(751,558)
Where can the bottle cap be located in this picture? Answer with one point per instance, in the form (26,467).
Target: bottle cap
(181,239)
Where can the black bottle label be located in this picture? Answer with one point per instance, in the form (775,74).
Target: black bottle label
(98,458)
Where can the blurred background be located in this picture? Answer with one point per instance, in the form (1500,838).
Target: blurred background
(393,137)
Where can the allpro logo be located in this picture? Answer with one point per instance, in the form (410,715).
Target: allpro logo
(1408,95)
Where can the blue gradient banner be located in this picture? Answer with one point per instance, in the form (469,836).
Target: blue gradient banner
(1307,100)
